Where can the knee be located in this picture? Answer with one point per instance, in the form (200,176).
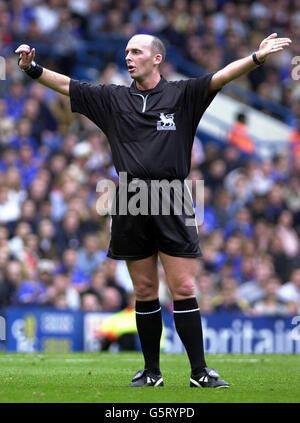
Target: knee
(184,289)
(145,289)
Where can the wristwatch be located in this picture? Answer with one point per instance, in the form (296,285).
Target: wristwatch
(34,70)
(255,59)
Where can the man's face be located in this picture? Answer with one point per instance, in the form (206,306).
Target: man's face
(140,58)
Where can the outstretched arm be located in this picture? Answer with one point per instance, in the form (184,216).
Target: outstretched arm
(50,79)
(269,45)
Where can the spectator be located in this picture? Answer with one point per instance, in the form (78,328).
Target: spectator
(262,235)
(282,262)
(89,257)
(16,244)
(247,270)
(206,304)
(41,118)
(13,182)
(232,158)
(232,254)
(227,301)
(77,169)
(7,158)
(99,281)
(9,206)
(146,9)
(90,301)
(119,330)
(222,206)
(239,135)
(292,198)
(29,213)
(15,100)
(47,16)
(287,234)
(29,256)
(110,268)
(290,291)
(111,299)
(261,178)
(38,192)
(36,289)
(6,125)
(257,207)
(210,223)
(215,175)
(11,279)
(61,111)
(4,243)
(294,140)
(63,293)
(69,234)
(20,14)
(27,165)
(241,223)
(205,286)
(253,291)
(47,241)
(79,280)
(270,304)
(276,203)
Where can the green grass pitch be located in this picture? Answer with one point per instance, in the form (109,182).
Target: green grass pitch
(103,378)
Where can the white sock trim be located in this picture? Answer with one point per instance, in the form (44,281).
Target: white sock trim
(186,311)
(148,312)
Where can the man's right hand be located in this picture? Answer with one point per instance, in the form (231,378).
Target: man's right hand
(26,56)
(50,79)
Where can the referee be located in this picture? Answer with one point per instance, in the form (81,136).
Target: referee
(151,127)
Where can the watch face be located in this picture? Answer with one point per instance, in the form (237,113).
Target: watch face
(33,63)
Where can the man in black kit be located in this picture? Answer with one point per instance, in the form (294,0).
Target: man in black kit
(151,127)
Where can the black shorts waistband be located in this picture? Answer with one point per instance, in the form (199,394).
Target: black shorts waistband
(131,178)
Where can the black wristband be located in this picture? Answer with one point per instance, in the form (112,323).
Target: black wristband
(34,71)
(255,59)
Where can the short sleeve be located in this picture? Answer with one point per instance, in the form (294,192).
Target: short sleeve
(198,97)
(93,101)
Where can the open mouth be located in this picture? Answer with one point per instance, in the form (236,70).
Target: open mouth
(131,68)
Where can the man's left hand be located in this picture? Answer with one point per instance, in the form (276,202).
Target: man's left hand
(270,45)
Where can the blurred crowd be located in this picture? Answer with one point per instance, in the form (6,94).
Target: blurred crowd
(250,235)
(209,33)
(53,241)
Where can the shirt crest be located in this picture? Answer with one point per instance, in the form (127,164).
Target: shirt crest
(166,122)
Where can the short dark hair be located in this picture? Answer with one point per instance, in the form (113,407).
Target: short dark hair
(158,47)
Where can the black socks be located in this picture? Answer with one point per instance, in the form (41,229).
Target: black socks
(149,326)
(188,325)
(189,328)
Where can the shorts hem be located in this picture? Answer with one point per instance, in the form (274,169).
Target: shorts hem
(124,257)
(184,255)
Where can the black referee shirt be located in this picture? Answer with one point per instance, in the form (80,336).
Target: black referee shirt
(150,132)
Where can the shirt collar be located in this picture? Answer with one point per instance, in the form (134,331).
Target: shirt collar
(159,87)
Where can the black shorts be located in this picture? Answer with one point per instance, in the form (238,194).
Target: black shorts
(135,237)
